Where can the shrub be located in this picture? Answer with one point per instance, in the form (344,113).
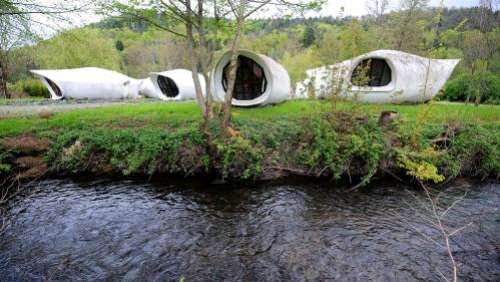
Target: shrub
(129,151)
(4,166)
(239,158)
(466,86)
(342,144)
(477,149)
(32,87)
(473,151)
(421,165)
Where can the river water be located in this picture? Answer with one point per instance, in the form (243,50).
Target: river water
(109,230)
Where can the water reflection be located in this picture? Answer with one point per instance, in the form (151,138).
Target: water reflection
(124,230)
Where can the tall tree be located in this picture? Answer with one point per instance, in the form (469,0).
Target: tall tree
(14,30)
(486,15)
(309,36)
(406,23)
(188,19)
(377,8)
(241,11)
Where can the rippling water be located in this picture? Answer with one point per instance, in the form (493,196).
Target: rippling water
(65,230)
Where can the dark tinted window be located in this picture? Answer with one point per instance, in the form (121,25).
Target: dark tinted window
(371,72)
(167,86)
(250,79)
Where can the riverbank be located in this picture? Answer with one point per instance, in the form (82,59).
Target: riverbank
(434,142)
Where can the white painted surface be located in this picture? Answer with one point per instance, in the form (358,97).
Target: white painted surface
(90,83)
(182,78)
(278,82)
(414,79)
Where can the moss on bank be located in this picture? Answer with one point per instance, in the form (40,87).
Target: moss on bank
(306,138)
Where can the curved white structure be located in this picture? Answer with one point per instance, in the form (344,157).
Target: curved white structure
(177,84)
(259,80)
(92,83)
(382,76)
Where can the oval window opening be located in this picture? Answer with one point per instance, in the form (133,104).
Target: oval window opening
(55,89)
(250,81)
(371,72)
(168,86)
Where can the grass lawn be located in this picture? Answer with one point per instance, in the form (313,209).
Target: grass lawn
(175,114)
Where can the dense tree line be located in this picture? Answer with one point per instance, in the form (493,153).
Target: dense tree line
(451,17)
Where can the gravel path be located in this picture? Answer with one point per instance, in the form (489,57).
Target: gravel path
(32,108)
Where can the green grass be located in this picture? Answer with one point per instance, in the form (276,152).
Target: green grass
(173,115)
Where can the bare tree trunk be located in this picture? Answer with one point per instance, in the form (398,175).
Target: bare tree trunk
(4,91)
(437,40)
(233,67)
(402,36)
(486,25)
(194,58)
(209,99)
(205,60)
(484,17)
(412,7)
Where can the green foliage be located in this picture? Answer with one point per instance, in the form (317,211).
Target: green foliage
(297,64)
(149,151)
(119,45)
(446,53)
(337,44)
(330,46)
(274,44)
(423,171)
(239,158)
(5,167)
(32,87)
(129,151)
(477,45)
(473,150)
(137,17)
(420,164)
(308,37)
(143,57)
(78,48)
(476,150)
(338,144)
(355,40)
(468,87)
